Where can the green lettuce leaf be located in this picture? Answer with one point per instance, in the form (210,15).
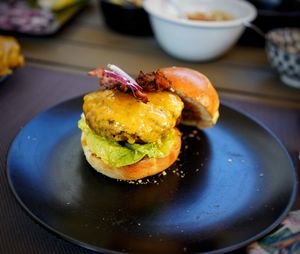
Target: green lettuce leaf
(117,155)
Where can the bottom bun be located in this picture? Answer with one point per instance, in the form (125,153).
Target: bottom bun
(143,168)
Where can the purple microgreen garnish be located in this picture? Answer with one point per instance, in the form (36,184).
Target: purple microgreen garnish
(117,78)
(122,73)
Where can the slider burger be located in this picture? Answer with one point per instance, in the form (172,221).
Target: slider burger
(129,127)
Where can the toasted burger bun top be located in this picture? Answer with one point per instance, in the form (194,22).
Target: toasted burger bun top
(143,168)
(201,100)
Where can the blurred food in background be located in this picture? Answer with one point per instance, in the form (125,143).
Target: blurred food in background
(10,55)
(37,17)
(126,16)
(21,17)
(215,15)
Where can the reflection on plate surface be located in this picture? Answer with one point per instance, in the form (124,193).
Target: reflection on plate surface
(232,184)
(3,78)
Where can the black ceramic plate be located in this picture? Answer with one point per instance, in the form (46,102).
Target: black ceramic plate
(233,184)
(3,78)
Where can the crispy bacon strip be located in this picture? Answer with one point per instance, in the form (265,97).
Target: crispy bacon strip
(153,81)
(116,78)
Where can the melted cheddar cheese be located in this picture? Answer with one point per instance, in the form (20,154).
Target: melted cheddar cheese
(122,117)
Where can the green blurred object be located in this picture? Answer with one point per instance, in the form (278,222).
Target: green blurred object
(58,5)
(63,15)
(137,3)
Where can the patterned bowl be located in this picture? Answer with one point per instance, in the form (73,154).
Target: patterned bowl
(283,52)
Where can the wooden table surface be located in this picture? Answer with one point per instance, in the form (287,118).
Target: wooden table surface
(243,78)
(87,43)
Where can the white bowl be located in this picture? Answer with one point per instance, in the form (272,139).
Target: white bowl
(198,40)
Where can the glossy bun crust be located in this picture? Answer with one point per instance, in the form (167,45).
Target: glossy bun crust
(145,167)
(201,101)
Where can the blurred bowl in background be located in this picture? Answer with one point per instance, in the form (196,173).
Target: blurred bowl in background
(126,18)
(198,40)
(283,52)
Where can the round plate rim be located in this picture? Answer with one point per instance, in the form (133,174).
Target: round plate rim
(233,247)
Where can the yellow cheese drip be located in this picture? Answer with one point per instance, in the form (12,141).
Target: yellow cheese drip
(124,118)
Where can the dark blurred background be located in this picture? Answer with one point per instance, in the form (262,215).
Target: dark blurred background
(272,14)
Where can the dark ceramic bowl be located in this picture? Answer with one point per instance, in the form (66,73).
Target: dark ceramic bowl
(127,19)
(283,52)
